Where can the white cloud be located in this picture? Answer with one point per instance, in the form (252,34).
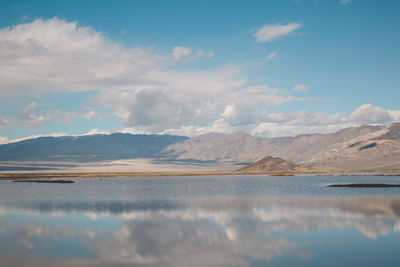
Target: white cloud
(370,114)
(271,32)
(271,55)
(138,86)
(3,140)
(394,114)
(344,2)
(3,122)
(58,55)
(134,83)
(181,52)
(185,54)
(133,130)
(96,131)
(181,99)
(219,126)
(300,88)
(7,140)
(299,122)
(304,122)
(245,105)
(90,115)
(34,118)
(245,117)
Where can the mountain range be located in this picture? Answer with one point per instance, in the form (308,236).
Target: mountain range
(98,147)
(358,148)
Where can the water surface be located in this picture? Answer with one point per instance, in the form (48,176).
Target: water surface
(200,221)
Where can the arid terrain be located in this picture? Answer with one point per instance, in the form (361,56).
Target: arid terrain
(364,148)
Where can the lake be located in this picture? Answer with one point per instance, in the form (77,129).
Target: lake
(201,221)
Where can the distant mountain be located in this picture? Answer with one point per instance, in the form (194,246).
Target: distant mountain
(88,148)
(270,164)
(374,151)
(363,148)
(240,147)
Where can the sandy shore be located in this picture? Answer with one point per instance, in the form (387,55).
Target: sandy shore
(117,166)
(148,168)
(55,175)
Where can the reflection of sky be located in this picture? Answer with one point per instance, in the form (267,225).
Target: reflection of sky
(202,232)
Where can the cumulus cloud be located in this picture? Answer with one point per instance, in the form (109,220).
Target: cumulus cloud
(245,105)
(185,54)
(90,115)
(370,114)
(60,55)
(394,115)
(181,99)
(271,32)
(134,83)
(173,108)
(271,55)
(139,86)
(305,122)
(299,122)
(56,54)
(34,118)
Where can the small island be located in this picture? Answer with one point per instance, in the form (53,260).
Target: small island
(364,185)
(45,181)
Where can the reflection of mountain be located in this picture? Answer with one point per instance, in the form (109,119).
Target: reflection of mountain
(196,232)
(373,215)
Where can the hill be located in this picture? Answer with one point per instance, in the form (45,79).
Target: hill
(270,164)
(98,147)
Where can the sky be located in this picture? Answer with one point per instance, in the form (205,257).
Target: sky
(267,68)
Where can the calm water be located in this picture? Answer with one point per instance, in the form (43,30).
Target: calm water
(200,221)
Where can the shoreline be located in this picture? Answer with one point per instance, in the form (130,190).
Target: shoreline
(46,175)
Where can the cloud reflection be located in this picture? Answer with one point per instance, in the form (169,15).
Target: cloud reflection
(197,232)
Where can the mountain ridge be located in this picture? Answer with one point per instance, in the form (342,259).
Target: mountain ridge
(376,150)
(226,147)
(364,147)
(88,147)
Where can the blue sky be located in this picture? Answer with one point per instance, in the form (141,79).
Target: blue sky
(269,68)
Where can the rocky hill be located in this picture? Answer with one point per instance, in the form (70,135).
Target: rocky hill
(271,164)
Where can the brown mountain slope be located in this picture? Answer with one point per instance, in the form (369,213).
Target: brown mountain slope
(374,151)
(240,147)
